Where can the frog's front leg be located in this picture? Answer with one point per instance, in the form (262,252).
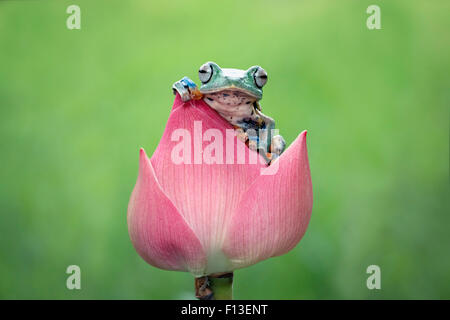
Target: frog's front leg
(273,144)
(265,130)
(187,89)
(277,146)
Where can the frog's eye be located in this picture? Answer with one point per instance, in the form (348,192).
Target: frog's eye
(205,72)
(260,77)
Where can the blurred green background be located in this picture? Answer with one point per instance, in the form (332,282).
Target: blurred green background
(76,105)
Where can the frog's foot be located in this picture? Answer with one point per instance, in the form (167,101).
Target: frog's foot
(277,146)
(187,89)
(253,144)
(241,134)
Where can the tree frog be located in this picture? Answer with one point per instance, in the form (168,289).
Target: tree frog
(235,95)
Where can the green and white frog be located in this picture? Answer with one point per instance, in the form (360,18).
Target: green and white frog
(235,95)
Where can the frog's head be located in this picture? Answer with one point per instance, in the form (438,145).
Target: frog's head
(246,84)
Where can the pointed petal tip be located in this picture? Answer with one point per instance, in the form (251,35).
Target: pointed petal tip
(143,159)
(299,143)
(273,215)
(157,230)
(302,136)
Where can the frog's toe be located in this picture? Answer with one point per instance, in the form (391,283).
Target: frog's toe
(187,89)
(277,145)
(252,143)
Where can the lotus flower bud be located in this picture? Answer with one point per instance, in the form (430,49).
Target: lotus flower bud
(205,203)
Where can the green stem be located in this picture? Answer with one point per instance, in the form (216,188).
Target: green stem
(217,286)
(222,287)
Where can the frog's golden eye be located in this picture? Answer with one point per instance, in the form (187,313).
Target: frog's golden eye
(205,72)
(260,77)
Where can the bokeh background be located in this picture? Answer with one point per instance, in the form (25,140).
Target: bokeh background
(76,105)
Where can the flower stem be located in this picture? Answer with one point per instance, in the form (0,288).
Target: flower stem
(218,286)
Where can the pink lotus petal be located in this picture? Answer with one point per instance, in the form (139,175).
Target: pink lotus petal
(159,233)
(206,195)
(274,212)
(177,102)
